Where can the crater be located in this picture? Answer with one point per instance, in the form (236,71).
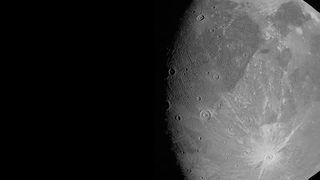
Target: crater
(205,115)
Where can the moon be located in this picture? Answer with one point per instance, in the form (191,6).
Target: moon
(246,85)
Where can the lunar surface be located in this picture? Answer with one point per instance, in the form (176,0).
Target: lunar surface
(244,90)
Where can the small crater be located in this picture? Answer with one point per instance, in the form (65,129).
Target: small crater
(168,105)
(212,30)
(205,115)
(230,131)
(218,106)
(178,117)
(200,17)
(214,75)
(269,157)
(172,71)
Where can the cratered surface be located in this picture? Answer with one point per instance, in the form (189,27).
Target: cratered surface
(247,88)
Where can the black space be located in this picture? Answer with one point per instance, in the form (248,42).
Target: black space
(168,14)
(315,177)
(314,4)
